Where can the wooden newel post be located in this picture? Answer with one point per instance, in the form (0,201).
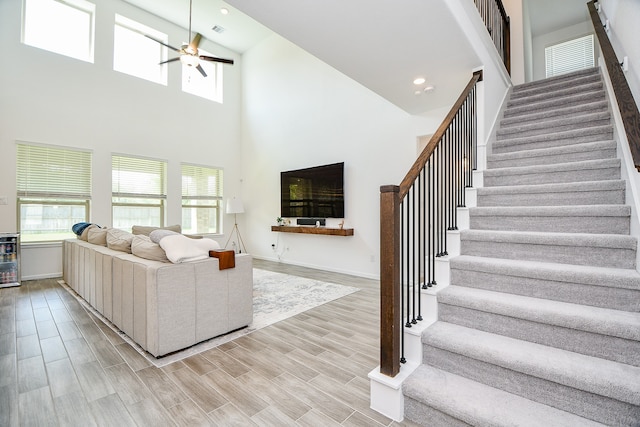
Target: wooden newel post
(390,322)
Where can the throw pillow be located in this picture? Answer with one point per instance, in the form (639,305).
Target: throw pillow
(146,230)
(143,247)
(119,240)
(157,235)
(97,236)
(85,233)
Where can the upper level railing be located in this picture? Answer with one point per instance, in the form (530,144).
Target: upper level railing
(497,22)
(626,104)
(414,219)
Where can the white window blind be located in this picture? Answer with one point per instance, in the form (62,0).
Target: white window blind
(65,27)
(199,182)
(138,177)
(50,172)
(201,199)
(569,56)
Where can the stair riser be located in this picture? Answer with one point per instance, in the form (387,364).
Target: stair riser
(497,162)
(590,344)
(542,141)
(555,177)
(427,416)
(577,293)
(603,197)
(583,224)
(555,113)
(520,92)
(582,255)
(555,103)
(589,405)
(541,130)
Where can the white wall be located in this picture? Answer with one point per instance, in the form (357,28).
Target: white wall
(52,99)
(545,40)
(624,19)
(516,13)
(299,112)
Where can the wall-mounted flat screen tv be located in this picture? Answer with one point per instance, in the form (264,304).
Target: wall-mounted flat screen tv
(316,192)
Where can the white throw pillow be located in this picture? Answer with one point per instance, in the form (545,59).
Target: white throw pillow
(97,236)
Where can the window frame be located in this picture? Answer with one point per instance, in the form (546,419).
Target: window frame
(79,5)
(215,199)
(160,197)
(31,191)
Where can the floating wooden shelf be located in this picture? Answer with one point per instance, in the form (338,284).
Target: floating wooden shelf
(313,230)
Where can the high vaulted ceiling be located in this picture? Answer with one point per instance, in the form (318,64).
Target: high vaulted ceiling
(383,45)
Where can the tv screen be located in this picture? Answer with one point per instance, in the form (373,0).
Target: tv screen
(316,192)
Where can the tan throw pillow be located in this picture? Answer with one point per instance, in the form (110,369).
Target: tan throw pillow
(145,230)
(85,233)
(97,236)
(119,240)
(143,247)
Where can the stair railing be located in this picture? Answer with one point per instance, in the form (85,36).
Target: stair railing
(497,22)
(414,219)
(626,104)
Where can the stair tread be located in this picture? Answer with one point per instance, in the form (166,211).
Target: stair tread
(558,111)
(544,152)
(617,323)
(553,211)
(591,374)
(554,136)
(614,184)
(553,238)
(597,276)
(520,90)
(586,119)
(563,101)
(552,80)
(581,165)
(560,93)
(451,394)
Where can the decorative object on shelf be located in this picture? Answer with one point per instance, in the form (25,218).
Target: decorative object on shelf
(235,207)
(280,220)
(341,224)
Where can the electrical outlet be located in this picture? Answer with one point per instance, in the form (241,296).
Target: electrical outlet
(4,200)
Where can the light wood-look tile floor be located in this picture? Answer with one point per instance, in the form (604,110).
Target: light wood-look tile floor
(61,366)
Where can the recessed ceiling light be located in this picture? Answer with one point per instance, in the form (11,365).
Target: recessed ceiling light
(418,92)
(224,11)
(429,88)
(419,81)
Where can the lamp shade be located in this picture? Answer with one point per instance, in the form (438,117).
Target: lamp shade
(234,206)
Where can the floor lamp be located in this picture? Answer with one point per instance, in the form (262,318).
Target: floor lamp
(235,207)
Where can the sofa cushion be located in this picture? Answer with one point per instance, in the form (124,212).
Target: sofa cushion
(119,240)
(143,247)
(85,233)
(97,236)
(146,230)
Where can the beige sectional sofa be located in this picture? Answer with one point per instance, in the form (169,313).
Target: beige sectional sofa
(163,307)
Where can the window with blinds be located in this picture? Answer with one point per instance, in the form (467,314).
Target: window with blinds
(569,56)
(53,191)
(138,191)
(201,199)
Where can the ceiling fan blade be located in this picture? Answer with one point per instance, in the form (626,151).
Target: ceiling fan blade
(214,59)
(195,42)
(199,68)
(170,60)
(162,43)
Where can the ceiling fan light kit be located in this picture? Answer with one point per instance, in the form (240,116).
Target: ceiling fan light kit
(189,52)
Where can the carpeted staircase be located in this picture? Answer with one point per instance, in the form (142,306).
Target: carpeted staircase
(540,325)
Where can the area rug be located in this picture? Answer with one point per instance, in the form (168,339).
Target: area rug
(276,296)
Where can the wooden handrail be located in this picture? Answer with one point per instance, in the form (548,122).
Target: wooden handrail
(418,165)
(626,104)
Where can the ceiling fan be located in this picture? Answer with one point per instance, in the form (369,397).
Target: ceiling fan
(189,52)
